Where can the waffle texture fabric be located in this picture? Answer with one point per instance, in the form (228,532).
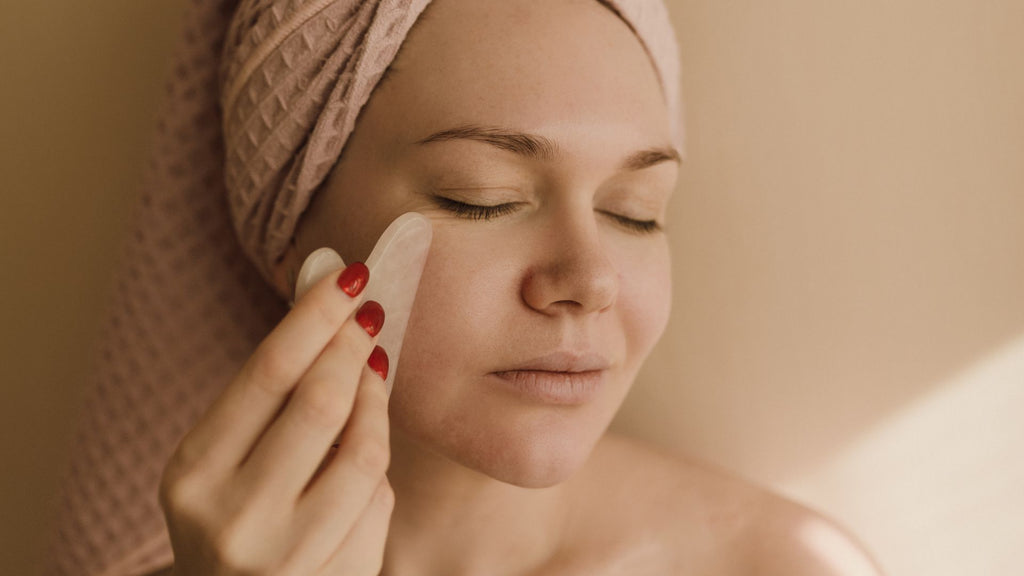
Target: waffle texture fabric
(262,96)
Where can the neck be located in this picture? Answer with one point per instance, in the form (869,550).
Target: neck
(452,520)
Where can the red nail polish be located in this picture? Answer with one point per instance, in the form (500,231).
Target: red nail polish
(378,362)
(353,279)
(371,317)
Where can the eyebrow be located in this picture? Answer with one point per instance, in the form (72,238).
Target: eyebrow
(537,147)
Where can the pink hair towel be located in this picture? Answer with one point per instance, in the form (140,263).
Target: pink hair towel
(262,98)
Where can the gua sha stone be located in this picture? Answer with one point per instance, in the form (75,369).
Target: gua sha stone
(395,264)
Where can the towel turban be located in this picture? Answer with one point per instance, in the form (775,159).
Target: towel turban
(262,97)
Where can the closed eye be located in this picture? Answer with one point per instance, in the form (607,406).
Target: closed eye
(644,226)
(473,211)
(477,212)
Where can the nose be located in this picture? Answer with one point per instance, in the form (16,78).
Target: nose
(573,273)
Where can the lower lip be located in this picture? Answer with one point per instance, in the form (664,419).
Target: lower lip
(567,388)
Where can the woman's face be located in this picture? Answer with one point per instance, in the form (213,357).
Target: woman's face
(564,267)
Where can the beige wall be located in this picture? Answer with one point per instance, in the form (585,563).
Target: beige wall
(849,250)
(847,238)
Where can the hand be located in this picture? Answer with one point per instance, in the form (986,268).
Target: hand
(255,487)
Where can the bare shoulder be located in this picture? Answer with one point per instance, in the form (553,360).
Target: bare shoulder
(788,538)
(684,515)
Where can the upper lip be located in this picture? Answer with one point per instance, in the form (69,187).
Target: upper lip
(564,361)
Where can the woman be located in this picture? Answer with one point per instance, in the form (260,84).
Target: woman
(539,140)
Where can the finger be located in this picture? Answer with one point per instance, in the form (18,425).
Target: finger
(290,451)
(362,552)
(231,426)
(327,460)
(330,506)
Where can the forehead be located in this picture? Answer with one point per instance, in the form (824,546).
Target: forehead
(568,69)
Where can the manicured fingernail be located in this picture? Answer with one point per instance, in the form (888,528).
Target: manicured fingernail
(353,279)
(371,317)
(379,362)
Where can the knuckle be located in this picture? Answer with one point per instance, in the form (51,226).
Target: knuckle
(386,496)
(178,490)
(354,337)
(232,547)
(377,397)
(227,548)
(185,504)
(173,471)
(170,493)
(371,456)
(186,457)
(320,404)
(270,368)
(328,310)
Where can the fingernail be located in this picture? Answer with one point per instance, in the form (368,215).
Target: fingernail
(371,317)
(379,362)
(353,279)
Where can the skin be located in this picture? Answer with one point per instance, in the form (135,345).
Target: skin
(485,480)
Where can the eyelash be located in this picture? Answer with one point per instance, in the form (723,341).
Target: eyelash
(475,212)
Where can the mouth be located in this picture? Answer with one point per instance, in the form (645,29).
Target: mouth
(564,361)
(562,388)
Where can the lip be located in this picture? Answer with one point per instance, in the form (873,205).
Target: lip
(563,361)
(552,387)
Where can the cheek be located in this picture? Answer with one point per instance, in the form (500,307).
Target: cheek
(459,329)
(456,313)
(645,298)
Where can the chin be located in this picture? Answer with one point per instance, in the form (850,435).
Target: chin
(540,462)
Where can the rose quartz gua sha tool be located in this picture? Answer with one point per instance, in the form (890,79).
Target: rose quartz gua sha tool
(396,264)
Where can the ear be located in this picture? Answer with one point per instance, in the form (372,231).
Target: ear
(286,271)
